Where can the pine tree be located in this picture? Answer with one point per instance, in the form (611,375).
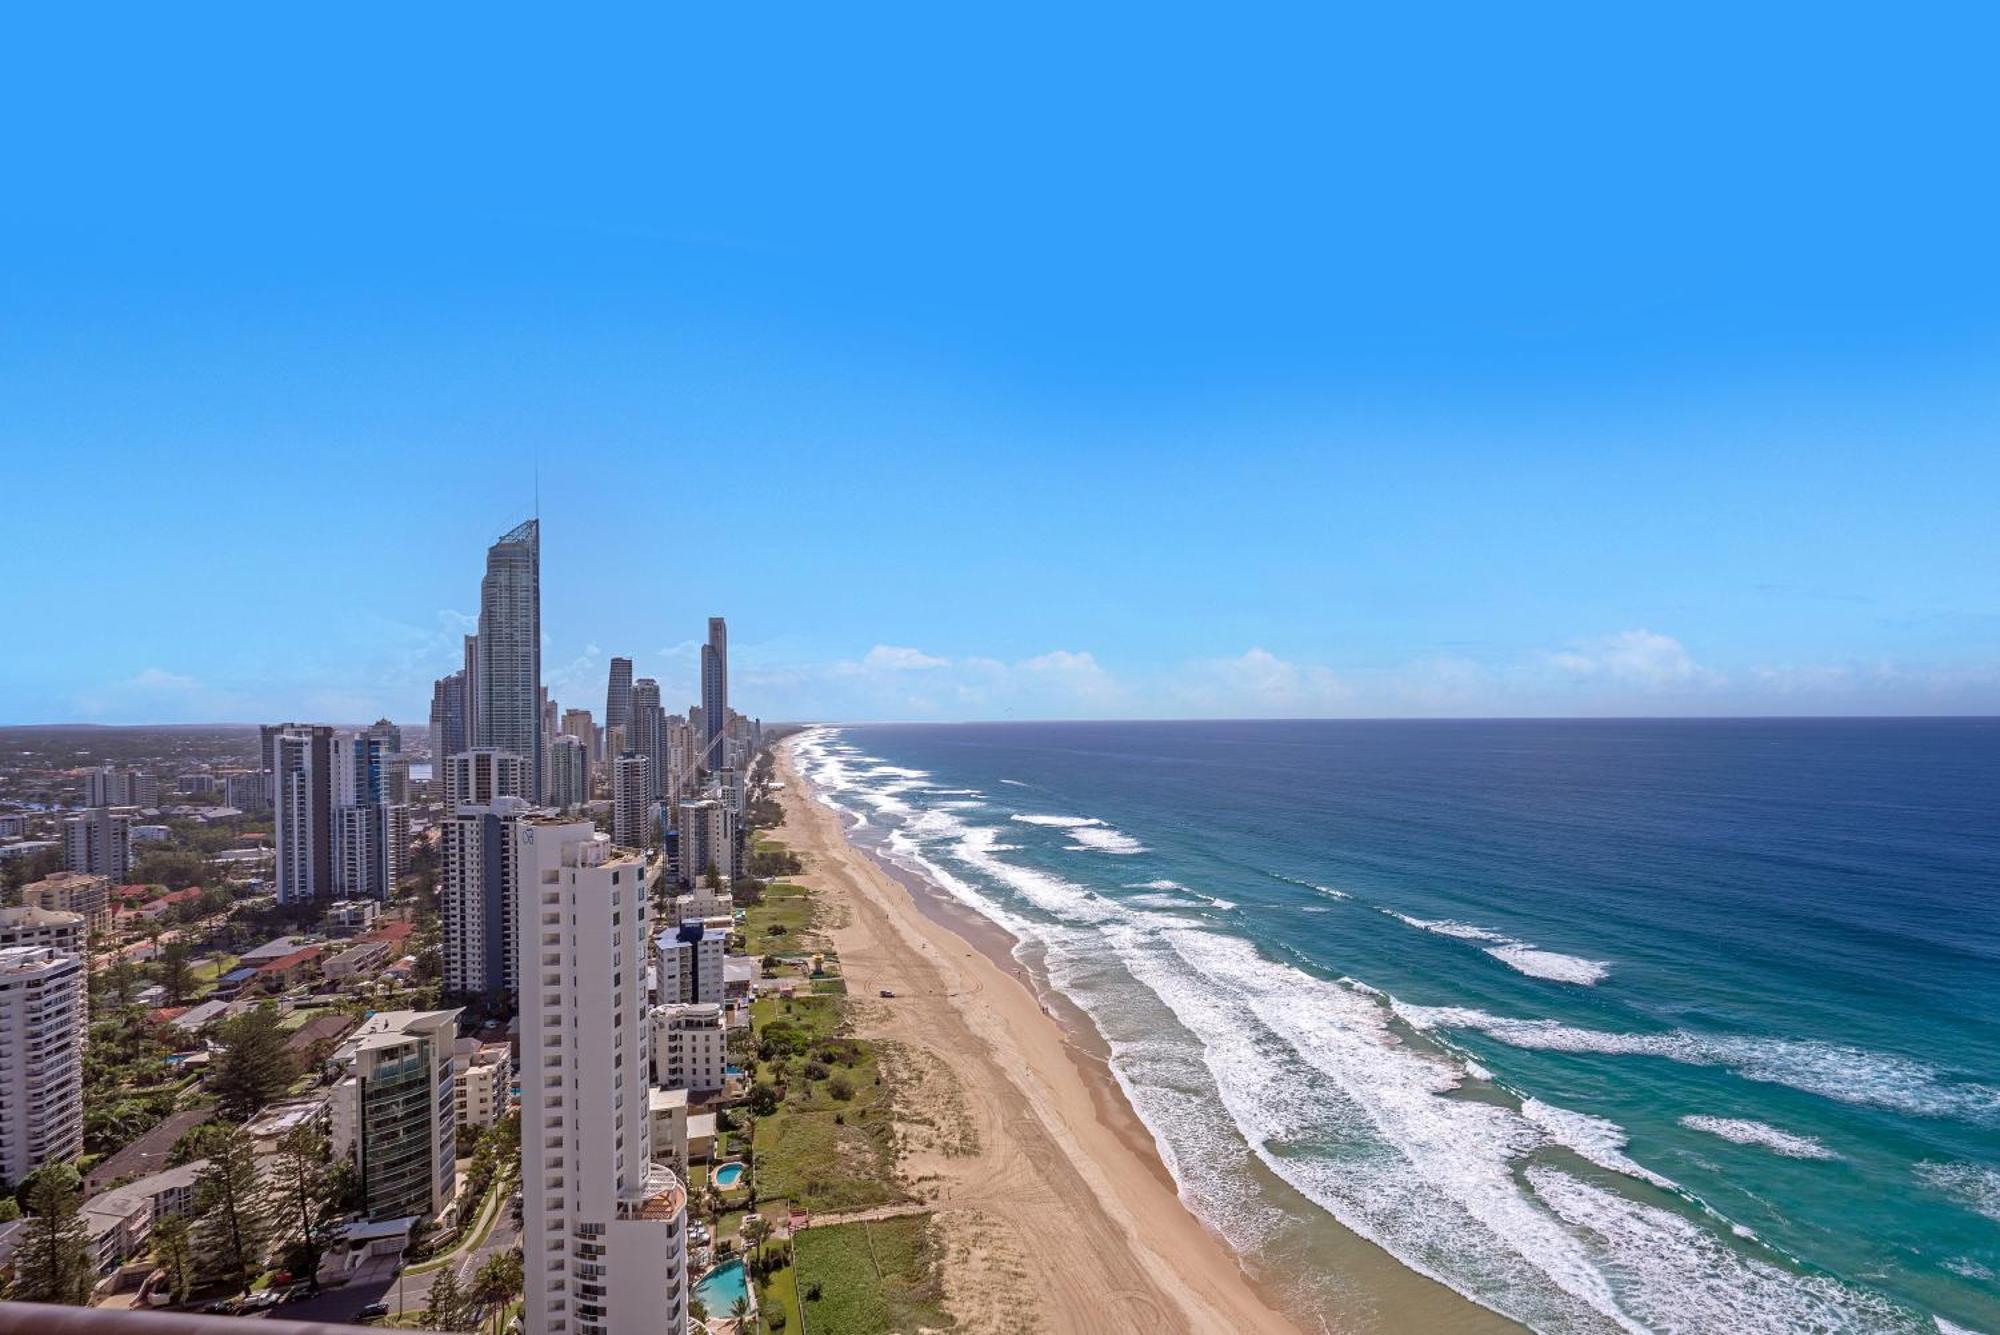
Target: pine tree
(54,1263)
(448,1307)
(234,1221)
(174,1254)
(310,1191)
(254,1066)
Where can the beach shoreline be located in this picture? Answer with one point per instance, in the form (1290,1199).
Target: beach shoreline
(1065,1218)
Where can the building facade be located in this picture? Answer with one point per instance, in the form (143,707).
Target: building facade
(604,1233)
(508,715)
(631,799)
(482,774)
(480,886)
(98,842)
(302,797)
(687,962)
(73,892)
(569,773)
(690,1047)
(395,1112)
(42,1007)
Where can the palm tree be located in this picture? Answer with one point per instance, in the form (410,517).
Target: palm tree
(755,1231)
(497,1283)
(739,1310)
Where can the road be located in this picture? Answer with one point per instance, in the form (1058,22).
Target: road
(379,1282)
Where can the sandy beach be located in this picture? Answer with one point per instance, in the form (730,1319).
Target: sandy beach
(1056,1213)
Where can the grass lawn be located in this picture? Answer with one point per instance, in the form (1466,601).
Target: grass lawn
(822,1152)
(871,1278)
(787,906)
(778,1298)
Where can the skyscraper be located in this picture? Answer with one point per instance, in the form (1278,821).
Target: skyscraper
(302,788)
(577,723)
(618,699)
(480,886)
(371,829)
(569,773)
(648,730)
(631,799)
(604,1228)
(715,694)
(471,670)
(449,735)
(508,714)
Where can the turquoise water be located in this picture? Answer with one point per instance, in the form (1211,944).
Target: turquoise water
(727,1174)
(1609,1026)
(721,1287)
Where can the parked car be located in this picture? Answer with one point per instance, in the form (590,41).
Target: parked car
(887,993)
(372,1312)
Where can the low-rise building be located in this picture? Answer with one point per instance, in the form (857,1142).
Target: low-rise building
(275,1120)
(669,1111)
(363,957)
(688,962)
(73,892)
(350,917)
(120,1221)
(690,1047)
(483,1072)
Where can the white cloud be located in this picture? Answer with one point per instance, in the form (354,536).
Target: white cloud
(895,658)
(159,679)
(1260,682)
(1640,658)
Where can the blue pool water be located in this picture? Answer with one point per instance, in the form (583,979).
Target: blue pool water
(726,1175)
(721,1287)
(1608,1025)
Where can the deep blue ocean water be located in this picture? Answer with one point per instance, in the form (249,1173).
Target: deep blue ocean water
(1635,1024)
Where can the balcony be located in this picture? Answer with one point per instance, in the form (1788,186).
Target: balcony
(661,1198)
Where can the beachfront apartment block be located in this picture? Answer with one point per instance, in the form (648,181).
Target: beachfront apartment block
(687,961)
(395,1112)
(42,1004)
(690,1047)
(98,842)
(110,786)
(85,893)
(604,1233)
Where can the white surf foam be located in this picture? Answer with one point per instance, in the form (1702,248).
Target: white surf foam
(1745,1131)
(1845,1074)
(1972,1185)
(1016,782)
(1677,1276)
(1551,965)
(1596,1139)
(1520,956)
(1094,838)
(1463,931)
(1058,822)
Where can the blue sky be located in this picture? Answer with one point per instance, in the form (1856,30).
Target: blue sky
(1007,362)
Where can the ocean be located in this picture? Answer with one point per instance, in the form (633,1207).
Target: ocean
(1606,1025)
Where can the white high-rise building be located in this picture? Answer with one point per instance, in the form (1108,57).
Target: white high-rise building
(42,1003)
(302,796)
(707,838)
(509,713)
(482,774)
(371,828)
(604,1227)
(110,786)
(99,843)
(688,962)
(569,773)
(631,800)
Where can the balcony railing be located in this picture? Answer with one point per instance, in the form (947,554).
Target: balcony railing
(37,1319)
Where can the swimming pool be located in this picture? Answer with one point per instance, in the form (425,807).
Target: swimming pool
(726,1175)
(721,1287)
